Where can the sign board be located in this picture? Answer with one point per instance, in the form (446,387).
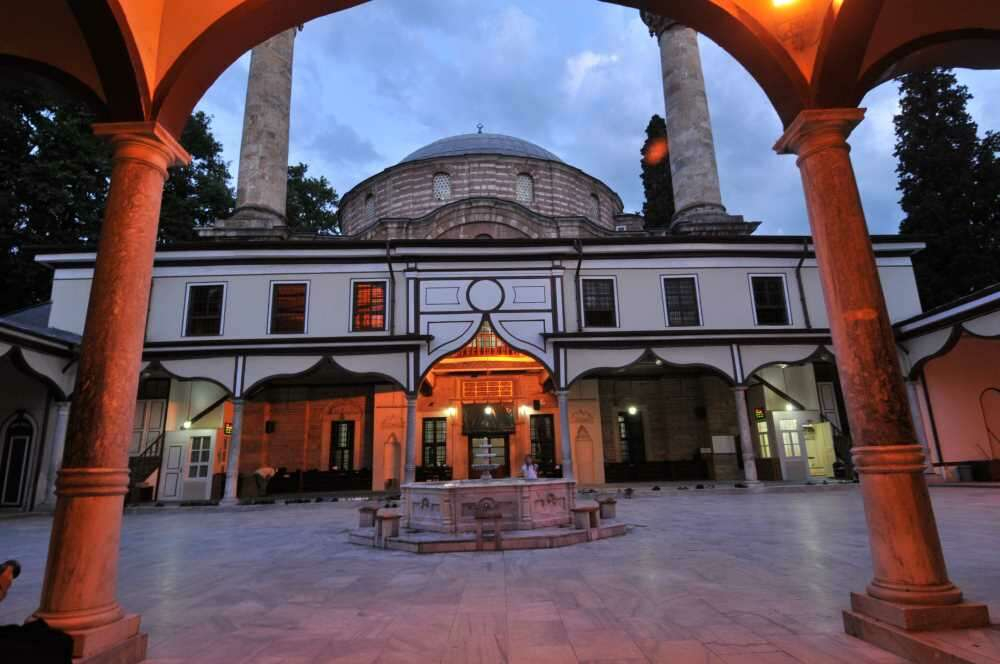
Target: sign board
(760,414)
(228,428)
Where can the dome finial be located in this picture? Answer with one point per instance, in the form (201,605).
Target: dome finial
(480,128)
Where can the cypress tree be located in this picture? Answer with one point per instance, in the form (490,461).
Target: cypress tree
(658,208)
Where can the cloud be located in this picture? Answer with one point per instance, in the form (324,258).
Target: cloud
(579,67)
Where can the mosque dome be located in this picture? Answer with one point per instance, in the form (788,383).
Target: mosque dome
(479,144)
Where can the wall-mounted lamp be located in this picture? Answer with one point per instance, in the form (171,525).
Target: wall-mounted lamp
(524,410)
(186,425)
(789,406)
(632,410)
(451,411)
(488,410)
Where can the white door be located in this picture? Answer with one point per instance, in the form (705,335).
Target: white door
(150,415)
(172,471)
(791,445)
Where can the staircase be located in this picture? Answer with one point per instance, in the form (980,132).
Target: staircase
(142,465)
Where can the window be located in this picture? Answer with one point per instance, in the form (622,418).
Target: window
(598,297)
(342,445)
(370,207)
(204,310)
(442,187)
(681,301)
(595,207)
(769,301)
(543,439)
(790,437)
(201,457)
(487,390)
(369,305)
(765,441)
(435,441)
(623,456)
(620,228)
(288,308)
(525,190)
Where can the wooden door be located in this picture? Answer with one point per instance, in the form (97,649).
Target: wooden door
(148,423)
(14,460)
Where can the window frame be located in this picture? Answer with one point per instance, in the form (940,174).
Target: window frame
(388,304)
(582,308)
(531,183)
(753,298)
(440,458)
(270,305)
(187,304)
(697,299)
(447,178)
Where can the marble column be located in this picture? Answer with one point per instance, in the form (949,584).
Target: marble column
(410,460)
(80,586)
(233,459)
(916,409)
(746,433)
(58,448)
(910,583)
(566,444)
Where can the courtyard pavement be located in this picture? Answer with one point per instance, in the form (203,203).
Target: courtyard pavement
(701,578)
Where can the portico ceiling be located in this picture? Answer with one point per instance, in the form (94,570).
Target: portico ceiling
(154,59)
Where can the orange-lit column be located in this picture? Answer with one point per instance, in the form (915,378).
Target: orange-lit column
(79,592)
(910,583)
(410,461)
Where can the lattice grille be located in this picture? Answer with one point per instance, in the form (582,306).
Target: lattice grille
(525,188)
(442,187)
(487,390)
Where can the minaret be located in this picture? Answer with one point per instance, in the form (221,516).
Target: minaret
(262,183)
(697,196)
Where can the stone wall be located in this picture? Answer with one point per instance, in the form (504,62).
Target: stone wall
(680,414)
(406,190)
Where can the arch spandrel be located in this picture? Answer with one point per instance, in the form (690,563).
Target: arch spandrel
(717,358)
(757,357)
(219,370)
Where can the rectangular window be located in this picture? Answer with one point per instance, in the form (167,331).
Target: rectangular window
(342,445)
(765,442)
(598,297)
(543,439)
(681,300)
(288,308)
(369,305)
(204,310)
(201,452)
(790,437)
(769,301)
(623,455)
(435,441)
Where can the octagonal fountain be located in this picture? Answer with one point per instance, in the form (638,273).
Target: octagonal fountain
(451,507)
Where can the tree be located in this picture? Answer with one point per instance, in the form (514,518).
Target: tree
(658,208)
(949,186)
(311,205)
(54,180)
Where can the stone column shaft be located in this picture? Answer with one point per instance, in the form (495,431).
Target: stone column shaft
(566,444)
(410,460)
(80,587)
(909,566)
(262,183)
(58,449)
(233,459)
(746,434)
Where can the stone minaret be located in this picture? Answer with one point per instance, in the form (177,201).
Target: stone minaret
(262,183)
(697,196)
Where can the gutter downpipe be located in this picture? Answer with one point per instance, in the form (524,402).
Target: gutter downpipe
(392,285)
(798,280)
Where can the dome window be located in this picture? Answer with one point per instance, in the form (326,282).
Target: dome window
(442,187)
(525,190)
(595,207)
(370,206)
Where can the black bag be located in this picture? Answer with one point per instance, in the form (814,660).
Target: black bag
(34,643)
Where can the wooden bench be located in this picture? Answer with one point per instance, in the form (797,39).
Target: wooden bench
(366,516)
(586,516)
(608,507)
(386,526)
(492,519)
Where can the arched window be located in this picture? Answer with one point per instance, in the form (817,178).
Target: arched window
(595,207)
(442,187)
(15,455)
(525,190)
(370,206)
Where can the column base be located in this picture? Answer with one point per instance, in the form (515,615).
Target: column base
(111,642)
(913,617)
(956,646)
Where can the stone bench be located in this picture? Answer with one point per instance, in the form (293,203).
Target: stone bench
(608,507)
(366,516)
(386,526)
(586,516)
(492,519)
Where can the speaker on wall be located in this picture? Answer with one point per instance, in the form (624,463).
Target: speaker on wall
(269,426)
(537,404)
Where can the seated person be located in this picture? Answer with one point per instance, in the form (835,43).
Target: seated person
(529,470)
(263,477)
(33,641)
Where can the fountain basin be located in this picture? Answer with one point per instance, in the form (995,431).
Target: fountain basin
(451,507)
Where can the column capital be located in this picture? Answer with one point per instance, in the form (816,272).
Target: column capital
(740,388)
(818,128)
(657,24)
(148,142)
(411,398)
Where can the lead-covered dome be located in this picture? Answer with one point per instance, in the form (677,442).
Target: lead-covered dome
(468,144)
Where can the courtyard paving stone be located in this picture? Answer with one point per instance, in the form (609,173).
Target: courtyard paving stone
(703,578)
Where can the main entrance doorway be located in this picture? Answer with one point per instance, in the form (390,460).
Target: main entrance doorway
(482,446)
